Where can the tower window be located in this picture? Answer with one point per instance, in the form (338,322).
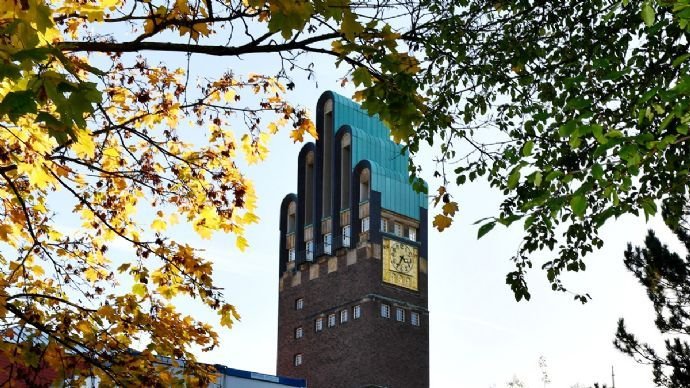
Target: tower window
(327,243)
(365,224)
(299,332)
(399,315)
(343,316)
(310,250)
(318,324)
(385,311)
(412,233)
(299,304)
(291,254)
(357,312)
(346,235)
(331,320)
(398,229)
(298,359)
(414,318)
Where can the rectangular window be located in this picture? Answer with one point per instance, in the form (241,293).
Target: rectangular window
(291,254)
(327,243)
(318,324)
(299,332)
(414,319)
(399,315)
(310,250)
(412,233)
(365,224)
(384,225)
(385,311)
(299,304)
(346,235)
(298,359)
(331,320)
(343,316)
(356,312)
(398,229)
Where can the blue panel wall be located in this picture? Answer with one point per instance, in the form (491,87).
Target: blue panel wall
(371,141)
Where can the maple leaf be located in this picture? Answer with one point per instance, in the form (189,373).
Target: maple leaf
(441,222)
(450,208)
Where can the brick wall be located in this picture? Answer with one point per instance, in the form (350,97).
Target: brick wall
(370,350)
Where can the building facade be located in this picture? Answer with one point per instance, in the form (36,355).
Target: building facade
(353,295)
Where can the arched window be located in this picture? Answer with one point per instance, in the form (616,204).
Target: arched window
(292,218)
(364,179)
(327,148)
(345,171)
(309,189)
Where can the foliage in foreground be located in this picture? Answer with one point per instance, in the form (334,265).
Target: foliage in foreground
(101,147)
(577,111)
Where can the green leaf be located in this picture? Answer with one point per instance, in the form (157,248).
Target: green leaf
(17,104)
(680,59)
(649,207)
(567,129)
(537,178)
(9,71)
(527,148)
(35,54)
(648,14)
(597,171)
(598,132)
(486,228)
(57,129)
(631,154)
(514,178)
(361,76)
(579,204)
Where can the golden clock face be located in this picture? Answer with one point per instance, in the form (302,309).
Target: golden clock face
(400,264)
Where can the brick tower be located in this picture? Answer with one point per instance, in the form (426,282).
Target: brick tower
(353,259)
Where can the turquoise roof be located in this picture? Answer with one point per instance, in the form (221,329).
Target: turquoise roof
(371,141)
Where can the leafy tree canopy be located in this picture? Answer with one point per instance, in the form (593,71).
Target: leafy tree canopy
(576,111)
(106,133)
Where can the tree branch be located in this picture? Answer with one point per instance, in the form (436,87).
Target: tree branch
(122,47)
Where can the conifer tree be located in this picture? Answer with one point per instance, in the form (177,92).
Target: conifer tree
(666,277)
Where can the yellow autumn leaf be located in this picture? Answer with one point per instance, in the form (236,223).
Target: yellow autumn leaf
(450,208)
(84,327)
(297,135)
(37,173)
(241,243)
(158,225)
(38,270)
(84,147)
(229,95)
(441,222)
(91,274)
(139,289)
